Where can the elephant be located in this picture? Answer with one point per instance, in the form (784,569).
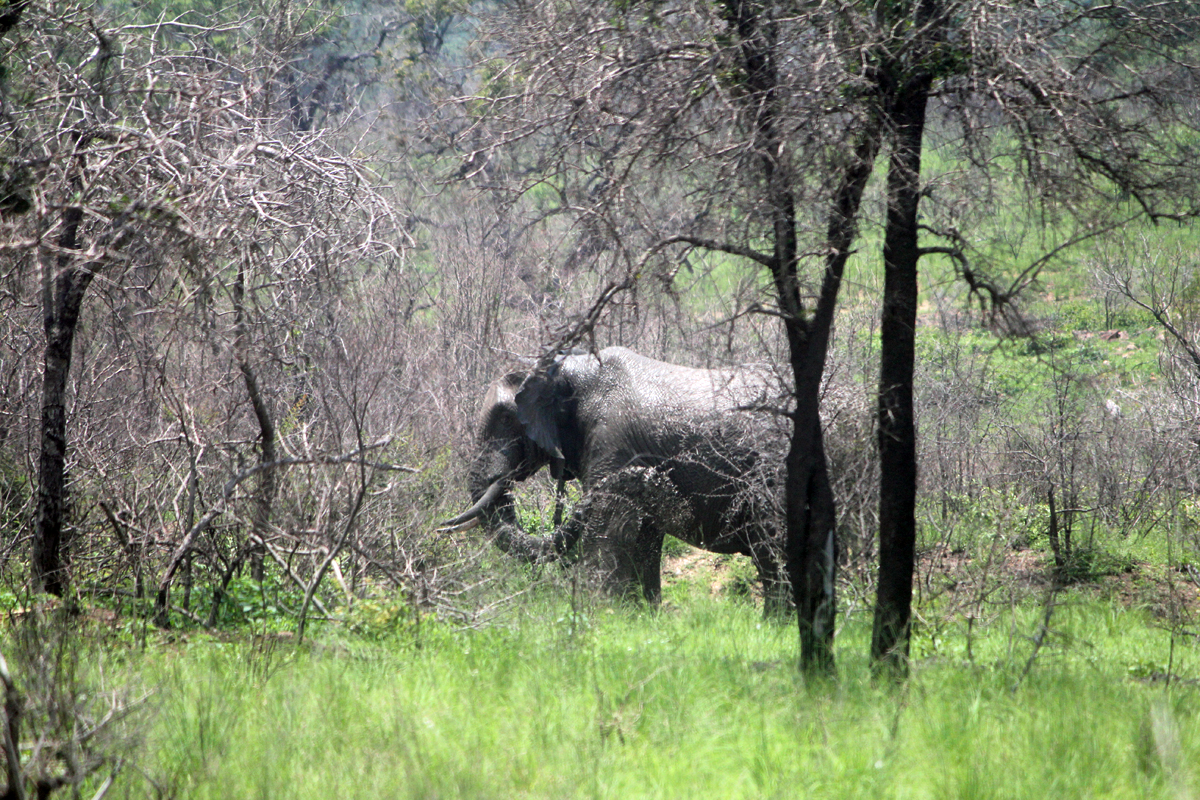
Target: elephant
(657,448)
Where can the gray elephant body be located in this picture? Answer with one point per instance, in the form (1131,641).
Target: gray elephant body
(658,448)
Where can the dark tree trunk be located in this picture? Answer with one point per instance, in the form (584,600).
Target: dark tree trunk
(264,497)
(811,545)
(1056,549)
(809,570)
(63,291)
(896,427)
(811,542)
(810,511)
(62,298)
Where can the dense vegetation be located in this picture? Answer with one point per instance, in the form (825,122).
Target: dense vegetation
(258,263)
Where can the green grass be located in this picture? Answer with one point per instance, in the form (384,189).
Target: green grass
(699,700)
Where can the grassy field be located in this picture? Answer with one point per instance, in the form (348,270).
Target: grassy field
(699,699)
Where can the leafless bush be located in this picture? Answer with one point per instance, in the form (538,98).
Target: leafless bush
(1158,277)
(847,408)
(961,409)
(256,358)
(64,721)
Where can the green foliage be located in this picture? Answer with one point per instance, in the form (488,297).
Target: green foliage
(9,600)
(1022,371)
(741,582)
(384,617)
(1085,314)
(535,510)
(270,605)
(246,600)
(673,548)
(1093,562)
(972,524)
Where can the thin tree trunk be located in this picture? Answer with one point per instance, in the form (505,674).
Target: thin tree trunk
(810,511)
(62,298)
(1060,563)
(812,543)
(63,291)
(757,34)
(896,426)
(264,497)
(214,611)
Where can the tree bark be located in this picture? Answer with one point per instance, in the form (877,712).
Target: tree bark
(62,298)
(63,290)
(896,425)
(809,569)
(812,543)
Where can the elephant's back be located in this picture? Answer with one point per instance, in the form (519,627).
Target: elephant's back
(691,422)
(654,387)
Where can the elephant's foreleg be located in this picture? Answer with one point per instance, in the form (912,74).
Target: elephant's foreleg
(635,507)
(610,548)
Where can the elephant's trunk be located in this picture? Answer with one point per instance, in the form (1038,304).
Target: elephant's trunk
(508,535)
(511,538)
(494,511)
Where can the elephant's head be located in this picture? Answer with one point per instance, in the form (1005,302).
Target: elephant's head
(527,422)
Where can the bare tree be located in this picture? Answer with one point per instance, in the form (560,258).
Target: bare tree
(1098,137)
(738,107)
(164,175)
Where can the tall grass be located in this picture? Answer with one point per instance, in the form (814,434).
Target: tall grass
(699,700)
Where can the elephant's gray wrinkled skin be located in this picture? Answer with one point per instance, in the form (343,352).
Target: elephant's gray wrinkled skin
(657,449)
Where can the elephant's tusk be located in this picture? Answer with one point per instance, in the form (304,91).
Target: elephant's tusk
(474,511)
(460,527)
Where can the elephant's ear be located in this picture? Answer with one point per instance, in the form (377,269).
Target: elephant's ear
(540,408)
